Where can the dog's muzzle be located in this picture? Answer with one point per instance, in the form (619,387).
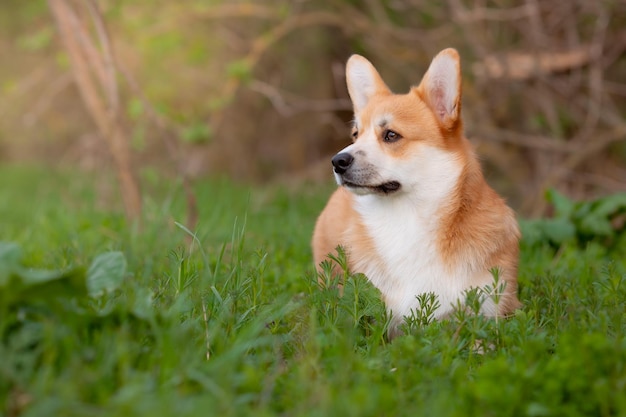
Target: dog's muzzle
(359,181)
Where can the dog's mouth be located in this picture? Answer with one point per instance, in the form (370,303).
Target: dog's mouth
(384,188)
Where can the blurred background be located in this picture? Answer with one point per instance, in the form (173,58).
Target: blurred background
(255,90)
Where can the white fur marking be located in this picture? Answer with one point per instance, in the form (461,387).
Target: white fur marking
(362,83)
(404,229)
(381,120)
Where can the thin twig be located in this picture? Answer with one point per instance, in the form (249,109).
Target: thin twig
(80,50)
(107,56)
(243,10)
(596,76)
(288,104)
(481,14)
(46,98)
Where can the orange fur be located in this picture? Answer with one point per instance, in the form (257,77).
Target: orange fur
(474,230)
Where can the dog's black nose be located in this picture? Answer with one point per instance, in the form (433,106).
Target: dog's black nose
(342,162)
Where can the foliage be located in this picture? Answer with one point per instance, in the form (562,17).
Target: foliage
(601,219)
(256,89)
(98,318)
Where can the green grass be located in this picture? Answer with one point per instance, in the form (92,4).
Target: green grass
(234,322)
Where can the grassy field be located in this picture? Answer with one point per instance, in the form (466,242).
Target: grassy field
(99,318)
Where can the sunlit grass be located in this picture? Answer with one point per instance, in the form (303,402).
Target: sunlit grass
(228,318)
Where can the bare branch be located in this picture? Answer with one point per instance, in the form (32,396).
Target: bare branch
(288,104)
(46,98)
(585,151)
(80,50)
(479,14)
(107,56)
(596,76)
(243,10)
(525,65)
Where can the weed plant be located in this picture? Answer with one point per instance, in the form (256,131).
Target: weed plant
(102,318)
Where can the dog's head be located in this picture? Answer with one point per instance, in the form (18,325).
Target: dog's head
(402,143)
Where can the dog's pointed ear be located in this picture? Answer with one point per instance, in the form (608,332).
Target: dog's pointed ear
(441,87)
(363,81)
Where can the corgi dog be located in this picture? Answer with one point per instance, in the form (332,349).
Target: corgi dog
(413,210)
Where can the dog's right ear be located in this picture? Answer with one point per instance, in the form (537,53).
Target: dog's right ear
(441,87)
(363,81)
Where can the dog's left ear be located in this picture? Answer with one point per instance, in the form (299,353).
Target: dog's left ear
(441,87)
(363,82)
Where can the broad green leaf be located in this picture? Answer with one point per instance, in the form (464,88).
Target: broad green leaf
(143,306)
(39,276)
(20,284)
(10,253)
(595,225)
(49,285)
(10,258)
(106,273)
(531,231)
(594,219)
(610,205)
(563,206)
(557,230)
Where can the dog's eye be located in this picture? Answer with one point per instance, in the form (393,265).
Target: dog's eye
(391,136)
(355,134)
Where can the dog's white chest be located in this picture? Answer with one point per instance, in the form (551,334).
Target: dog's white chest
(407,261)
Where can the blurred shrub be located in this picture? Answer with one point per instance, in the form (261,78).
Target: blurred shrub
(602,219)
(257,90)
